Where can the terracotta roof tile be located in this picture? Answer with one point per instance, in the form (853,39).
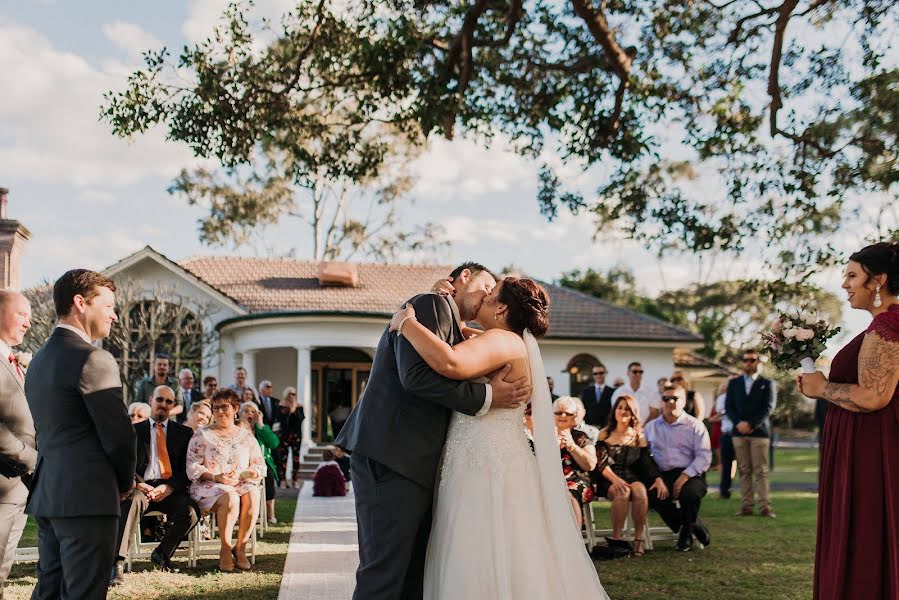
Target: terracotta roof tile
(288,285)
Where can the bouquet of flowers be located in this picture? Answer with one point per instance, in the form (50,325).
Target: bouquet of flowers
(796,339)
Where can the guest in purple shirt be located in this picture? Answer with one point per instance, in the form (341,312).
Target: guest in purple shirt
(680,446)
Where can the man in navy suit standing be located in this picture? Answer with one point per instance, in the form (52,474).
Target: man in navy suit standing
(749,402)
(597,398)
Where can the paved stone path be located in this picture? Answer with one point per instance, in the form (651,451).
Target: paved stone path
(323,553)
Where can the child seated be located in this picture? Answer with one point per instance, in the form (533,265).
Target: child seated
(328,479)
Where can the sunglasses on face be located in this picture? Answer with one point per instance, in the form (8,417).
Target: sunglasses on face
(750,360)
(598,373)
(162,400)
(670,398)
(637,372)
(560,413)
(677,379)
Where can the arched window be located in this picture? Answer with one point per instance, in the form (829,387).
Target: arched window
(150,327)
(580,372)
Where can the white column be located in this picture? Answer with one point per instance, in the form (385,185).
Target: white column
(304,390)
(249,363)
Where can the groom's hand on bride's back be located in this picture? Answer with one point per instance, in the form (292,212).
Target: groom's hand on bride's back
(509,394)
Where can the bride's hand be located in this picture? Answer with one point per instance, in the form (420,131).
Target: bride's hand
(444,286)
(398,316)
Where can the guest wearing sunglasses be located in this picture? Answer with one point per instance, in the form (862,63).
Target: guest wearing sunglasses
(597,398)
(647,398)
(578,454)
(695,402)
(161,483)
(680,446)
(750,400)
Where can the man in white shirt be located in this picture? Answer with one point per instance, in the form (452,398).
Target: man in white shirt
(647,398)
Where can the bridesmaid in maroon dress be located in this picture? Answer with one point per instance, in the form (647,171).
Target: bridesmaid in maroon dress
(857,550)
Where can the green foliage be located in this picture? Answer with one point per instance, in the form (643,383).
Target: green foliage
(791,104)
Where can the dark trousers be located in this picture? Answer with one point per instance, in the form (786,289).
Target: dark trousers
(394,520)
(75,557)
(727,461)
(690,498)
(179,510)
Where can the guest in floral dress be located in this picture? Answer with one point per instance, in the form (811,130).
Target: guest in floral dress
(225,465)
(578,454)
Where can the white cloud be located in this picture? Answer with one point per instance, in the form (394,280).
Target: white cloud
(50,115)
(131,38)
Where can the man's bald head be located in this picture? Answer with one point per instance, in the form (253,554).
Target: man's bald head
(15,317)
(162,403)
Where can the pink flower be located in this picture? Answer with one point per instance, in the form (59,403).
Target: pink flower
(778,326)
(803,334)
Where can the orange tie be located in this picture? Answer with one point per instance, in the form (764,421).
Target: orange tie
(164,465)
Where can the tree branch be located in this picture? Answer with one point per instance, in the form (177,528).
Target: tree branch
(595,19)
(304,53)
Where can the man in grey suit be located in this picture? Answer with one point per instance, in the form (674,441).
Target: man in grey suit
(86,445)
(396,435)
(17,448)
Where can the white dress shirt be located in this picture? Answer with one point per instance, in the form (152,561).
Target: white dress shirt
(154,471)
(80,332)
(749,381)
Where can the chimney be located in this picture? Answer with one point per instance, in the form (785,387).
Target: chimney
(13,238)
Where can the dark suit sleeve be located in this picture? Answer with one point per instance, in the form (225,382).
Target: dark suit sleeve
(763,409)
(418,378)
(179,476)
(102,390)
(730,402)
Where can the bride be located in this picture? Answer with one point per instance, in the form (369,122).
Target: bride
(503,527)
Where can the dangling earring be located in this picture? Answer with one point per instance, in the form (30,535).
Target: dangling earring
(878,301)
(495,316)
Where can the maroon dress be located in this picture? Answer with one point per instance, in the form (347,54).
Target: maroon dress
(857,551)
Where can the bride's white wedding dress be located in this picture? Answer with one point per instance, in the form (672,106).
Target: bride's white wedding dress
(503,527)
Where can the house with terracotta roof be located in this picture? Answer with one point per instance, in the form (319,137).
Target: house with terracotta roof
(293,323)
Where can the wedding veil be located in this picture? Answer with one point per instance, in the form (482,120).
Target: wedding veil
(565,540)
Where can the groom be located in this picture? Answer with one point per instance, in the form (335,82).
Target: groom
(396,435)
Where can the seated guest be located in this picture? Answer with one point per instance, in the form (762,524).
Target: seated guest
(343,461)
(161,483)
(578,455)
(253,420)
(680,446)
(579,424)
(225,465)
(328,479)
(626,468)
(139,411)
(199,415)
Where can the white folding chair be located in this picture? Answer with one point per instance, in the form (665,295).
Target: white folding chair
(139,549)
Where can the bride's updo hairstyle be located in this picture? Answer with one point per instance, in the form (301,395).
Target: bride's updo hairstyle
(528,305)
(880,258)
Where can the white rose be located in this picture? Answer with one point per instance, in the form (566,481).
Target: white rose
(788,325)
(803,334)
(790,333)
(809,316)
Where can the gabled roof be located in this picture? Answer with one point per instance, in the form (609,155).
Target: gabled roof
(148,252)
(273,285)
(684,359)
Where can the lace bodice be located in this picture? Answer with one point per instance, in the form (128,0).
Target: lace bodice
(494,442)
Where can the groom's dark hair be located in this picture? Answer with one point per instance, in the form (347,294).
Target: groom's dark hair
(475,268)
(77,282)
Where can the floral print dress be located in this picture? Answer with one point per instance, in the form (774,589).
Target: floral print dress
(211,450)
(577,479)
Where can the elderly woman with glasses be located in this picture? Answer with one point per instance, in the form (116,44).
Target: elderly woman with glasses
(578,454)
(225,464)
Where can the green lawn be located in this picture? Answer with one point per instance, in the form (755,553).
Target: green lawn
(263,582)
(749,557)
(791,465)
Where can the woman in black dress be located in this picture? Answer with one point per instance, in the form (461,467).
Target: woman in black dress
(627,468)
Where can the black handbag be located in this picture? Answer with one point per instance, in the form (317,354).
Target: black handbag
(11,468)
(614,550)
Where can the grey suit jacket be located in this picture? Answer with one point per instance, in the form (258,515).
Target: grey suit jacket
(86,449)
(16,432)
(402,418)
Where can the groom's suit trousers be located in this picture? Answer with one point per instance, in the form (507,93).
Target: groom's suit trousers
(394,519)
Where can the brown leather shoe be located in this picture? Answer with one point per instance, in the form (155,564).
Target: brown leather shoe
(744,513)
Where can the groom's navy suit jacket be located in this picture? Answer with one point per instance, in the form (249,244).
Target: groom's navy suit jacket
(402,418)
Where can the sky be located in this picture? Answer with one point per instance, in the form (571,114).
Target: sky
(90,199)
